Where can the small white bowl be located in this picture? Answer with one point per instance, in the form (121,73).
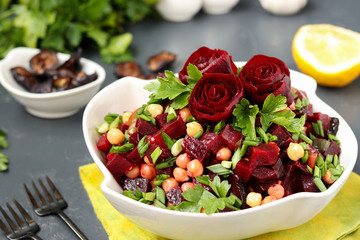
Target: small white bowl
(283,7)
(178,10)
(217,7)
(128,94)
(49,105)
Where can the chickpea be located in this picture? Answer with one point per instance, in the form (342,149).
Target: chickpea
(192,128)
(276,191)
(147,171)
(115,136)
(327,177)
(223,154)
(134,172)
(155,109)
(184,114)
(253,199)
(169,184)
(126,116)
(182,160)
(195,168)
(148,162)
(295,151)
(186,185)
(268,199)
(180,174)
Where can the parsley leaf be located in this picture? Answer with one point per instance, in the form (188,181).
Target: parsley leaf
(194,75)
(245,116)
(3,158)
(170,88)
(273,111)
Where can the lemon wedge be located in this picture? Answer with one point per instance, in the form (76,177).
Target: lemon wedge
(328,53)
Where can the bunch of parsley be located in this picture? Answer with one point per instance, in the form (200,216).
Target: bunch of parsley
(3,158)
(63,25)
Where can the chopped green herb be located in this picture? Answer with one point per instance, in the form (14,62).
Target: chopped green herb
(194,75)
(143,146)
(219,169)
(160,195)
(149,196)
(136,195)
(333,138)
(250,143)
(156,154)
(190,119)
(171,114)
(236,157)
(169,162)
(319,184)
(123,148)
(219,127)
(110,117)
(198,134)
(305,157)
(305,138)
(167,140)
(226,164)
(176,148)
(245,116)
(3,162)
(103,128)
(262,134)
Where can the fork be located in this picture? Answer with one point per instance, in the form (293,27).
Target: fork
(22,230)
(53,206)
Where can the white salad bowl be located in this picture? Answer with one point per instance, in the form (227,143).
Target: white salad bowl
(49,105)
(128,94)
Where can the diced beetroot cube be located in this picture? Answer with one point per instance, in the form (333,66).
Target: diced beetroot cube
(167,171)
(123,127)
(213,141)
(333,126)
(302,168)
(309,112)
(301,94)
(291,180)
(174,196)
(157,140)
(161,119)
(238,187)
(263,174)
(135,138)
(243,170)
(134,156)
(308,184)
(325,120)
(309,128)
(175,128)
(145,128)
(333,149)
(278,169)
(264,154)
(103,144)
(118,165)
(261,186)
(283,136)
(213,160)
(195,148)
(165,153)
(142,184)
(231,137)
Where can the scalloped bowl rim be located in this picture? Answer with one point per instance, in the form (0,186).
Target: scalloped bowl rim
(300,81)
(8,83)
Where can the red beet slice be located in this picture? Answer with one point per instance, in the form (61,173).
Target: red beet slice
(243,170)
(174,196)
(118,165)
(333,149)
(308,184)
(263,174)
(142,184)
(291,181)
(261,186)
(103,144)
(134,156)
(325,120)
(238,187)
(264,154)
(213,141)
(161,119)
(231,137)
(283,136)
(175,128)
(195,148)
(145,128)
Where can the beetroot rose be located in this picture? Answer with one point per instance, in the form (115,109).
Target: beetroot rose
(209,61)
(263,75)
(214,97)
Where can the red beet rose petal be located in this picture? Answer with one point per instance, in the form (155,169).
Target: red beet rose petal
(214,97)
(263,75)
(209,61)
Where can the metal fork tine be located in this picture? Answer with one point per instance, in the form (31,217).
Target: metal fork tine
(9,221)
(49,197)
(54,189)
(16,216)
(4,228)
(42,200)
(31,197)
(23,212)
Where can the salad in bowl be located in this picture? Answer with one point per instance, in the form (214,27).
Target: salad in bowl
(220,141)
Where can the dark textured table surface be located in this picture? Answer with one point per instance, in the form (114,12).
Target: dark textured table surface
(57,148)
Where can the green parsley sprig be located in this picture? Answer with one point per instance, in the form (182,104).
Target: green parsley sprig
(3,158)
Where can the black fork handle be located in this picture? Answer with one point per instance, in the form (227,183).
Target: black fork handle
(70,223)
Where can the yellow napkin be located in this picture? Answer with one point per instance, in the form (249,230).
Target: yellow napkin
(339,220)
